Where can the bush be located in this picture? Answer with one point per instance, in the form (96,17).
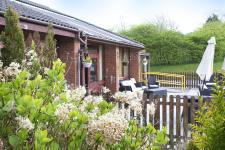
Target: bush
(209,131)
(43,113)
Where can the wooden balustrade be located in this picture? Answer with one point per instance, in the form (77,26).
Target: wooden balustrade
(176,113)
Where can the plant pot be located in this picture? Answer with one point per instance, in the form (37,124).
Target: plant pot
(87,64)
(125,63)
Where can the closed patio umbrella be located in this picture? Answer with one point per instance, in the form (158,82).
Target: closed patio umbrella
(205,68)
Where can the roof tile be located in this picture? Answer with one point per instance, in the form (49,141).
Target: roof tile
(31,10)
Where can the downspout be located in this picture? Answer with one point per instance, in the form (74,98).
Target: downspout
(80,53)
(81,40)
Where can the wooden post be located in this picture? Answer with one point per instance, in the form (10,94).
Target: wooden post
(178,116)
(192,109)
(185,112)
(164,110)
(144,110)
(157,112)
(171,121)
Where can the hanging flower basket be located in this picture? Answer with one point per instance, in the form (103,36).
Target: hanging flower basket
(87,64)
(125,62)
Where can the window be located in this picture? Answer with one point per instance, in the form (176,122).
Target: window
(93,70)
(124,63)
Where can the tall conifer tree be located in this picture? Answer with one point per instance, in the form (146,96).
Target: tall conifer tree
(49,51)
(12,38)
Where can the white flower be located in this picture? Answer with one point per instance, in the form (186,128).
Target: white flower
(14,65)
(2,79)
(56,99)
(23,61)
(111,126)
(151,108)
(24,123)
(136,106)
(63,110)
(105,90)
(46,70)
(32,57)
(93,99)
(1,63)
(30,53)
(29,64)
(121,97)
(125,97)
(78,94)
(13,70)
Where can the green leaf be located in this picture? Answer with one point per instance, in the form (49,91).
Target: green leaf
(46,140)
(9,106)
(54,146)
(14,141)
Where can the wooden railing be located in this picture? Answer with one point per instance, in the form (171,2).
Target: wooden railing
(177,113)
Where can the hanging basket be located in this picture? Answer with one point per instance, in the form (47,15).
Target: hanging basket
(87,64)
(125,62)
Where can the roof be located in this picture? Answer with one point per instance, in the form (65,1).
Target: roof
(36,12)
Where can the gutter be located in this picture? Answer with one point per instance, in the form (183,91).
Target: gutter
(114,43)
(42,22)
(80,33)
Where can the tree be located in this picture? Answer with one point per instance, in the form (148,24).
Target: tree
(49,51)
(37,42)
(200,37)
(166,46)
(213,18)
(12,38)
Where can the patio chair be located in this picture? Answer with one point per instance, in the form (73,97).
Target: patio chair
(206,90)
(128,85)
(124,86)
(152,84)
(140,85)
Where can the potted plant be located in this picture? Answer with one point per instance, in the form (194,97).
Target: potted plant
(87,62)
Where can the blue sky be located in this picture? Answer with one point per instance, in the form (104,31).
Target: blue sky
(186,15)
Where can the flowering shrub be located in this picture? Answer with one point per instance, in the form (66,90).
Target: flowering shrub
(107,129)
(151,108)
(41,112)
(31,62)
(24,123)
(9,73)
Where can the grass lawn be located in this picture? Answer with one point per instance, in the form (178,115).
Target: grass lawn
(183,68)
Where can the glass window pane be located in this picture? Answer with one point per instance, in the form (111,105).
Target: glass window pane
(93,70)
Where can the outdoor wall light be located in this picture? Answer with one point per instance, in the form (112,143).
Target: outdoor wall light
(145,61)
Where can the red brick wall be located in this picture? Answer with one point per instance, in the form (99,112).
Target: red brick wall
(68,53)
(134,64)
(111,65)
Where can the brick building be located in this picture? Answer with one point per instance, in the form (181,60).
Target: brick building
(113,57)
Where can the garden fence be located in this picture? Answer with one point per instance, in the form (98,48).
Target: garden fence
(192,79)
(176,113)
